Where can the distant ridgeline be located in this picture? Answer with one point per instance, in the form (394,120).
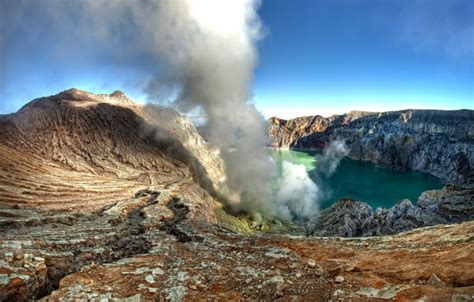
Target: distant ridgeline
(437,142)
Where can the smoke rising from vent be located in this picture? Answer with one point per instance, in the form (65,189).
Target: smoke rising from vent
(329,160)
(209,48)
(297,196)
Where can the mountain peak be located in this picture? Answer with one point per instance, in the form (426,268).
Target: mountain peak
(115,97)
(82,98)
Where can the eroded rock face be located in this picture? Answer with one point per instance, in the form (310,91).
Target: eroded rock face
(78,151)
(350,218)
(41,247)
(437,142)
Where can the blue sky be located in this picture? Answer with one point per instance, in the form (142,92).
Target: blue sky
(317,57)
(334,56)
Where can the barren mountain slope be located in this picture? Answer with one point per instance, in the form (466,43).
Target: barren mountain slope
(77,150)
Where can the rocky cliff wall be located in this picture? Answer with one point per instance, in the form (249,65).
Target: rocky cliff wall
(437,142)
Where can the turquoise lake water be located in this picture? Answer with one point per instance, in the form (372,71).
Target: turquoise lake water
(360,180)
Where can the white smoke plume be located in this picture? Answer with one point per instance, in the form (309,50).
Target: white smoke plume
(297,196)
(332,154)
(209,48)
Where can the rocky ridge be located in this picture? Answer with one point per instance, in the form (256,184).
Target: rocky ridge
(58,150)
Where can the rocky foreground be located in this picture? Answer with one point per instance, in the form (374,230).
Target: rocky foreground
(104,199)
(147,249)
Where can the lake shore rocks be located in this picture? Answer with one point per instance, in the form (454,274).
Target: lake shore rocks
(351,218)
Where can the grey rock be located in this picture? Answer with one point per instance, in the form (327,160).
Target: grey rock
(339,279)
(176,293)
(4,279)
(436,281)
(150,279)
(351,218)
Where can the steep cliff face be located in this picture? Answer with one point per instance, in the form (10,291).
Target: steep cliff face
(437,142)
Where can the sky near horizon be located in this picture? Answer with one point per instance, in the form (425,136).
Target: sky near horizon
(316,57)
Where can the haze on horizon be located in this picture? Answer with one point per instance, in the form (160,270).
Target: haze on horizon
(315,57)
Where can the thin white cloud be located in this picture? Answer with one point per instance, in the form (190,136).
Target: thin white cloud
(438,26)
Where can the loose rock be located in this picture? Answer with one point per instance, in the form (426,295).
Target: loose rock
(311,263)
(339,279)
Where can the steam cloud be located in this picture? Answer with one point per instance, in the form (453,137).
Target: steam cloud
(297,196)
(329,160)
(210,55)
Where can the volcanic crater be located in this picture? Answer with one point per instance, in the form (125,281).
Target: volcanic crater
(103,198)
